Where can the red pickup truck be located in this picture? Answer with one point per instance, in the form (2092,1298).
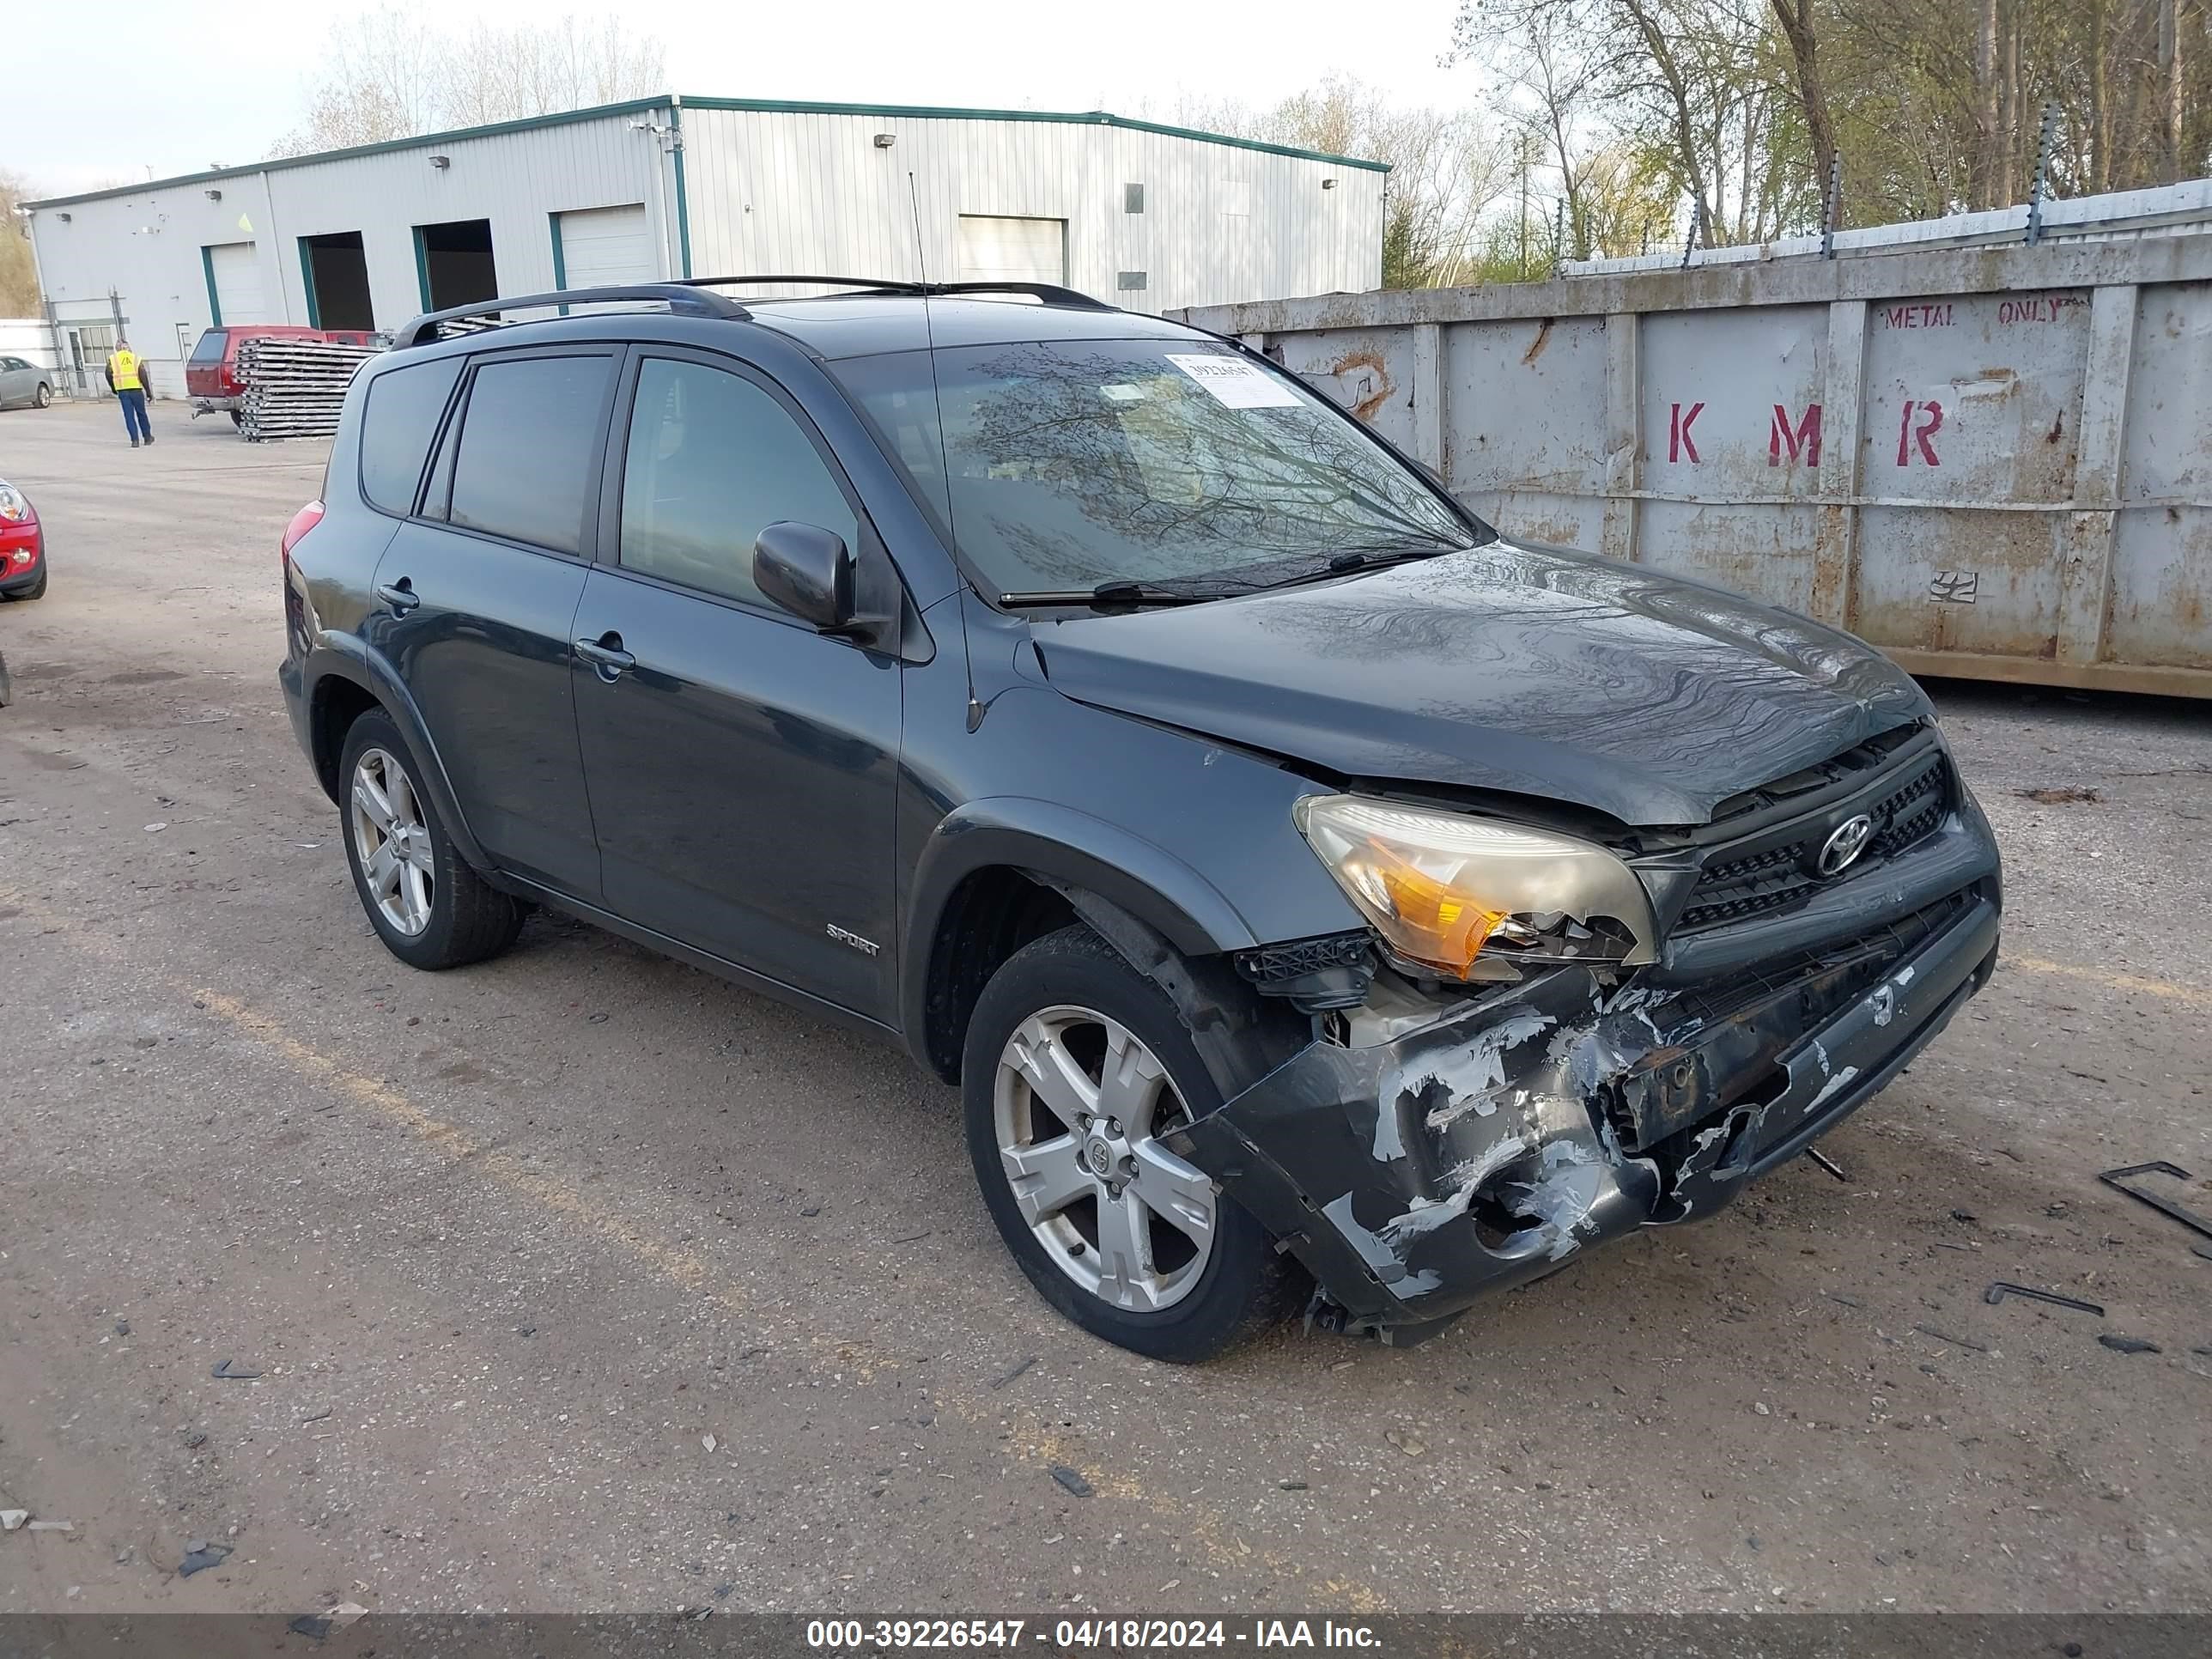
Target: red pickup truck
(211,378)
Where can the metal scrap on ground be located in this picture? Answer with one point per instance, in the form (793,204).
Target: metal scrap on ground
(1999,1289)
(2117,1179)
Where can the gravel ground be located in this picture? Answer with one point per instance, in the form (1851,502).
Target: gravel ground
(581,1280)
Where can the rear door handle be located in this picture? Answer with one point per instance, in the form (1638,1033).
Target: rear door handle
(400,596)
(606,654)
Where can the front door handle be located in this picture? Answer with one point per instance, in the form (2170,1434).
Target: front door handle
(400,596)
(606,654)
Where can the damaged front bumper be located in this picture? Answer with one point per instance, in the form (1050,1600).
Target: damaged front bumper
(1413,1176)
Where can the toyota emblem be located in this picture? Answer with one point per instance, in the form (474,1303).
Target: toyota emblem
(1844,845)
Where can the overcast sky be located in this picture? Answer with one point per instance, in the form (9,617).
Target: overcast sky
(177,85)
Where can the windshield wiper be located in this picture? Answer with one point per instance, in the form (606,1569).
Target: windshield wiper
(1226,584)
(1114,593)
(1373,557)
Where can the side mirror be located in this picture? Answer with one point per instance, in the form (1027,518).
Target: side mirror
(809,572)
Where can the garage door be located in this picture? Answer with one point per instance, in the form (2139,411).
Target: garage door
(235,270)
(599,245)
(1012,250)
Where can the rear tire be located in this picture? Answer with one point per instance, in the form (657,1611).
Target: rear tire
(1120,1253)
(44,395)
(430,908)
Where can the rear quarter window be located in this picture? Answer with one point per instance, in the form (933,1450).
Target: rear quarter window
(524,467)
(396,429)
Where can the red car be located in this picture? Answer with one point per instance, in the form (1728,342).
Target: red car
(211,378)
(23,546)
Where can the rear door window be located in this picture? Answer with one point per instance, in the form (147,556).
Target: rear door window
(524,468)
(712,460)
(397,428)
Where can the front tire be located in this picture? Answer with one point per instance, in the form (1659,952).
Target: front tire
(1075,1065)
(37,589)
(428,907)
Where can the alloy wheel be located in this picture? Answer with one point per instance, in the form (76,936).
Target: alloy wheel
(1079,1105)
(392,842)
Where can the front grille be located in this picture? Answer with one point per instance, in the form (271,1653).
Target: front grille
(1912,813)
(1772,868)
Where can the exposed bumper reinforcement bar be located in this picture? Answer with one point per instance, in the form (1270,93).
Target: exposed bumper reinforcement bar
(1412,1177)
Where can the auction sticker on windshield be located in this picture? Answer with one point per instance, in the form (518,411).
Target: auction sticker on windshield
(1235,382)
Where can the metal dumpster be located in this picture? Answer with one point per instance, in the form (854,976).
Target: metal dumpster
(1993,462)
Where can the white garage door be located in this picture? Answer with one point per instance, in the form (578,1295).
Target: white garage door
(236,271)
(599,245)
(1012,250)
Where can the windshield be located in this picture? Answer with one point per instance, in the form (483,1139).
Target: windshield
(1063,465)
(210,347)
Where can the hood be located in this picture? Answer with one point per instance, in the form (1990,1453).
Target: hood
(1535,670)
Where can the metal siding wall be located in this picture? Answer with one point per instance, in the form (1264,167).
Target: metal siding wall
(779,191)
(767,191)
(512,178)
(145,246)
(1987,461)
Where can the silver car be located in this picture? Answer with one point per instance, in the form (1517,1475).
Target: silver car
(22,381)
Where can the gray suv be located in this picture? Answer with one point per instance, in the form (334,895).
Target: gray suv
(1319,900)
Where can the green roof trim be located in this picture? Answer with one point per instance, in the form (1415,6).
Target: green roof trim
(422,141)
(215,299)
(1097,117)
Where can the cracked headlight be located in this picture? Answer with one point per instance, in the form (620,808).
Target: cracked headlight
(1444,889)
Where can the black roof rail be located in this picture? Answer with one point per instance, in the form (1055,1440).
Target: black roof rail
(880,284)
(1052,293)
(677,296)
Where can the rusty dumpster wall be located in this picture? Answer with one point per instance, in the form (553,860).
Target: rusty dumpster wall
(1990,462)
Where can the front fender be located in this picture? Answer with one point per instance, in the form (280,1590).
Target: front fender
(343,658)
(1063,845)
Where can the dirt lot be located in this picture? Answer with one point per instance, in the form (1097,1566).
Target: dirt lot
(508,1245)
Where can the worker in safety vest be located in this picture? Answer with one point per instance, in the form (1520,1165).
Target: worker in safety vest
(126,378)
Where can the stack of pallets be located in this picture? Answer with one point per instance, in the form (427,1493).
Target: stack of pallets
(294,388)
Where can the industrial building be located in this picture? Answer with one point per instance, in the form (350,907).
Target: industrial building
(1147,216)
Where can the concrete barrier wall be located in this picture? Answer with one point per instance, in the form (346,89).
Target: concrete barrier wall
(1992,462)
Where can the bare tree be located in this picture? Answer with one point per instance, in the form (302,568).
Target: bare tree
(1446,169)
(397,72)
(1694,79)
(19,276)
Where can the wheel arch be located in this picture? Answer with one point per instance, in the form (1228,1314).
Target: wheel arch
(345,680)
(997,873)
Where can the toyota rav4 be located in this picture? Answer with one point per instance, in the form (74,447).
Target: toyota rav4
(1319,899)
